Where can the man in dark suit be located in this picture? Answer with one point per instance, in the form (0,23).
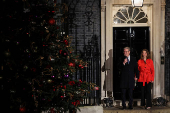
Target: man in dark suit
(129,68)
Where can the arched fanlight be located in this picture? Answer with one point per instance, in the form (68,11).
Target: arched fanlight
(137,3)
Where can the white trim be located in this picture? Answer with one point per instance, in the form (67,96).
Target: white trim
(155,12)
(131,25)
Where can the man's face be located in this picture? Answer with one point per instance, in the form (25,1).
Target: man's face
(126,52)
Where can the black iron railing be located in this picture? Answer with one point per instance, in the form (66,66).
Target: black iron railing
(84,27)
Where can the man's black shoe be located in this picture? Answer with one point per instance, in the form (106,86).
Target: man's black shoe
(124,107)
(130,107)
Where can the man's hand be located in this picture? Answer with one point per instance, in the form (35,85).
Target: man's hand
(136,78)
(125,60)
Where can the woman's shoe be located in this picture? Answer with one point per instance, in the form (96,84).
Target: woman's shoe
(148,108)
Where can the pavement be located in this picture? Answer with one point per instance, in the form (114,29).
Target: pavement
(137,109)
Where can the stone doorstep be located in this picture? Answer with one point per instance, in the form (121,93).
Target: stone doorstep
(136,102)
(91,109)
(137,109)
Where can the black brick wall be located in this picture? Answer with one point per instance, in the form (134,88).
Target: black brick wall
(167,48)
(84,23)
(80,29)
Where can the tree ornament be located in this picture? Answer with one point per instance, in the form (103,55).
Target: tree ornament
(49,81)
(52,110)
(1,77)
(60,51)
(25,67)
(78,84)
(66,76)
(65,42)
(47,31)
(17,43)
(52,46)
(71,64)
(33,69)
(96,88)
(80,65)
(22,109)
(51,58)
(63,53)
(65,87)
(7,53)
(80,81)
(58,40)
(71,83)
(51,21)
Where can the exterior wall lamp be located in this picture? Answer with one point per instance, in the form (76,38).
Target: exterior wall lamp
(137,3)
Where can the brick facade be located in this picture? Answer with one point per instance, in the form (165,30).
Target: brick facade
(167,48)
(84,22)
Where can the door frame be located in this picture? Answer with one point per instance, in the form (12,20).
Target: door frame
(120,41)
(157,34)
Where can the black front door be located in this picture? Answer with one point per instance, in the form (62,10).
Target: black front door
(137,38)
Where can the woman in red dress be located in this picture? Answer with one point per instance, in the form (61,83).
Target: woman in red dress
(146,77)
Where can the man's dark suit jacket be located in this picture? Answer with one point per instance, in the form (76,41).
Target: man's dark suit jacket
(128,72)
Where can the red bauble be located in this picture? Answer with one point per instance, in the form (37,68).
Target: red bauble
(33,69)
(71,83)
(96,88)
(22,109)
(66,42)
(52,110)
(71,64)
(63,53)
(80,81)
(64,87)
(60,51)
(51,21)
(80,66)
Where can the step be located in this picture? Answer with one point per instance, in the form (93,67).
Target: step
(137,109)
(136,102)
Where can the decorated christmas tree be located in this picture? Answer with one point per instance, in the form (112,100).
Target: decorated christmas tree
(38,64)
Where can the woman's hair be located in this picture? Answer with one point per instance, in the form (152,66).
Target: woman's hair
(148,55)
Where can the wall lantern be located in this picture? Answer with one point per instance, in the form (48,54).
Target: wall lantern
(137,3)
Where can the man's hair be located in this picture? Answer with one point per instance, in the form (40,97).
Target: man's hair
(127,48)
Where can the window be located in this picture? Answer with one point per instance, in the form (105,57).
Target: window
(130,15)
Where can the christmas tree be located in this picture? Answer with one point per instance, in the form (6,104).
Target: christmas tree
(38,64)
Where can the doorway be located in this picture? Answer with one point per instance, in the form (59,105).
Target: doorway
(137,38)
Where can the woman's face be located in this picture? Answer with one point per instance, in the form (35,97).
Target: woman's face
(144,53)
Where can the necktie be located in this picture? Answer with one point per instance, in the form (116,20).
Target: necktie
(128,60)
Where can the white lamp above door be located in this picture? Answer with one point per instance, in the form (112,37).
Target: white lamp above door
(137,3)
